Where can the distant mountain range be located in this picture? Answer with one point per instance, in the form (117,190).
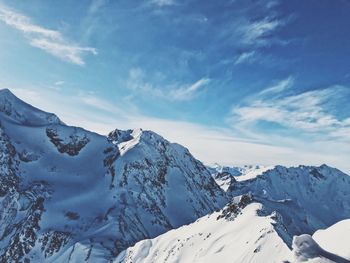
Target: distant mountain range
(71,195)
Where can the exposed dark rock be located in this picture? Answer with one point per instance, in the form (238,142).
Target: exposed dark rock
(71,147)
(231,211)
(25,235)
(315,173)
(72,215)
(27,157)
(53,241)
(118,136)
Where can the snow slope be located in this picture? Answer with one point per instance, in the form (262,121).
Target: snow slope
(238,233)
(67,194)
(14,110)
(306,249)
(223,236)
(326,245)
(335,239)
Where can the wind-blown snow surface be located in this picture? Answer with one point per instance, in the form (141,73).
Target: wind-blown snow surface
(245,237)
(327,245)
(239,233)
(70,194)
(335,239)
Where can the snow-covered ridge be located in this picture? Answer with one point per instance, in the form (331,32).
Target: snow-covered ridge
(22,113)
(246,237)
(303,198)
(239,233)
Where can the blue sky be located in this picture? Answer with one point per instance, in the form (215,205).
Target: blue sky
(235,81)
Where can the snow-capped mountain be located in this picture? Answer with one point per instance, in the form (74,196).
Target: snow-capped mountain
(234,234)
(238,233)
(303,199)
(68,194)
(279,206)
(225,175)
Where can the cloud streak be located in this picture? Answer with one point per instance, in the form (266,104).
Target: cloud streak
(254,33)
(51,41)
(183,92)
(245,57)
(188,92)
(308,112)
(163,3)
(279,87)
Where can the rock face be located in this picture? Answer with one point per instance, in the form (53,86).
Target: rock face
(67,194)
(70,145)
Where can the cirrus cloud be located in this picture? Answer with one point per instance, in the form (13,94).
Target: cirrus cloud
(51,41)
(309,112)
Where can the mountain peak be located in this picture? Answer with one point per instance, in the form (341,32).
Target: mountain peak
(15,110)
(5,92)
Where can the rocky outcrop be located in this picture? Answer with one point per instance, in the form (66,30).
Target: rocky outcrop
(71,145)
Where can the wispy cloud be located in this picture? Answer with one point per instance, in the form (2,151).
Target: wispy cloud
(59,83)
(173,92)
(309,112)
(51,41)
(98,103)
(279,87)
(188,92)
(162,3)
(254,33)
(96,5)
(245,57)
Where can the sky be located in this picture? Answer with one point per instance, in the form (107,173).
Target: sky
(235,81)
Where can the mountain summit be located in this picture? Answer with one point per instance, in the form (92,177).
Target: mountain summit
(16,110)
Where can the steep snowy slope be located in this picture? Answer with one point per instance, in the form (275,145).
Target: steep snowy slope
(14,110)
(327,245)
(303,199)
(234,234)
(339,232)
(306,249)
(239,233)
(67,194)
